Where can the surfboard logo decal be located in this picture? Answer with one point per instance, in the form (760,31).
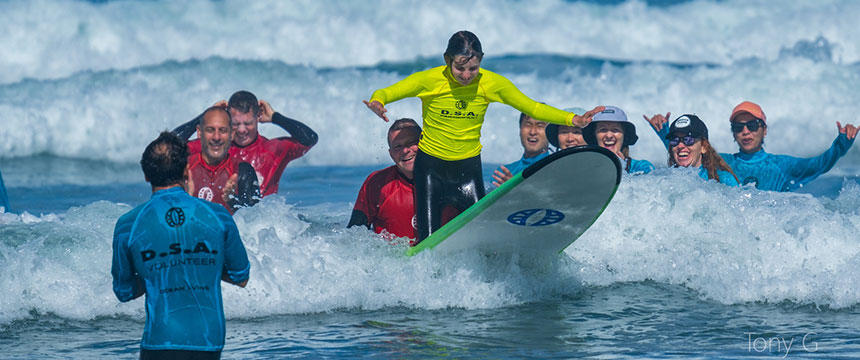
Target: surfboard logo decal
(522,217)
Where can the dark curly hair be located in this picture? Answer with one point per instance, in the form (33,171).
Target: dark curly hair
(164,160)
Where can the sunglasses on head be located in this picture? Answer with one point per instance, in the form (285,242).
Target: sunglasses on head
(688,140)
(752,125)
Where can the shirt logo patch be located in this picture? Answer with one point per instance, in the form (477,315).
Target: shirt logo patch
(522,217)
(174,217)
(205,193)
(460,104)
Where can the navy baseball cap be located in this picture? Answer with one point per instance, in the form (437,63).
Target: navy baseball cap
(689,125)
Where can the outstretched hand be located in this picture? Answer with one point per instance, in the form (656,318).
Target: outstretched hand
(584,119)
(266,112)
(658,121)
(500,177)
(377,108)
(849,130)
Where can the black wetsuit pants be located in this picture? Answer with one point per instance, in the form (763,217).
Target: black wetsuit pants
(440,183)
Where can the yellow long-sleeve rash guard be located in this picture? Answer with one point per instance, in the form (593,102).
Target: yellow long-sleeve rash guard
(453,114)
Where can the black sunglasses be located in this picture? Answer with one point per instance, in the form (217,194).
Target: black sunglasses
(752,125)
(688,140)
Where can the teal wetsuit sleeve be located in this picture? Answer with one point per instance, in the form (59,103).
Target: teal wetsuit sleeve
(127,285)
(236,265)
(662,133)
(640,167)
(804,170)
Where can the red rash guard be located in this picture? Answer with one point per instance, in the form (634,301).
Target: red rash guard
(208,180)
(386,200)
(269,157)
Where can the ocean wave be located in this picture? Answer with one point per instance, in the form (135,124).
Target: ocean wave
(732,245)
(57,38)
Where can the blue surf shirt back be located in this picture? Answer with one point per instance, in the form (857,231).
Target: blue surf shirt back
(177,248)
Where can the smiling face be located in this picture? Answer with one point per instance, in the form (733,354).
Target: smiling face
(402,147)
(749,141)
(609,135)
(687,155)
(244,127)
(215,134)
(570,136)
(533,136)
(465,69)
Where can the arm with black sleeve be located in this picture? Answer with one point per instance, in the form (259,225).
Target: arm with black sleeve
(185,130)
(299,131)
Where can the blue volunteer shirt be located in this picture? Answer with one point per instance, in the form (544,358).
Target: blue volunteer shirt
(783,172)
(176,248)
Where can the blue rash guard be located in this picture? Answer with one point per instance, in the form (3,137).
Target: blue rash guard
(518,166)
(4,200)
(782,172)
(726,177)
(639,166)
(176,248)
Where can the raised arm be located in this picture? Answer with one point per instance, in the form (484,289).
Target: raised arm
(804,170)
(300,132)
(510,95)
(411,86)
(660,125)
(185,130)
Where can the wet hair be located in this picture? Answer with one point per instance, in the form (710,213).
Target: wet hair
(164,160)
(214,108)
(401,124)
(244,101)
(463,43)
(711,161)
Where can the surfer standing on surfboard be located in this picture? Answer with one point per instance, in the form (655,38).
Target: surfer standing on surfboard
(454,101)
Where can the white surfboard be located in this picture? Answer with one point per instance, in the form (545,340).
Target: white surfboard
(543,209)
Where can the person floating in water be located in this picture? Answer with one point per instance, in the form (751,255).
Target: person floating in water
(386,199)
(454,101)
(269,157)
(563,136)
(610,129)
(535,148)
(687,142)
(213,174)
(753,165)
(176,249)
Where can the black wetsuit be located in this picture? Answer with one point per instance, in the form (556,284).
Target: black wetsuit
(440,183)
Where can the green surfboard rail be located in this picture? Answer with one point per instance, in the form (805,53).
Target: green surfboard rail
(465,217)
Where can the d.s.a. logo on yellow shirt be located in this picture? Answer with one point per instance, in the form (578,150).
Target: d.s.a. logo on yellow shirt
(460,104)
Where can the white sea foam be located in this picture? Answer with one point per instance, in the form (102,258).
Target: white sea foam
(48,39)
(732,245)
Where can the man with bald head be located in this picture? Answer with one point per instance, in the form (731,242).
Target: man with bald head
(214,175)
(269,157)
